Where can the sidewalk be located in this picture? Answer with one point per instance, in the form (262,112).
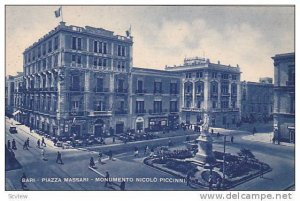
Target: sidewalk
(26,130)
(264,138)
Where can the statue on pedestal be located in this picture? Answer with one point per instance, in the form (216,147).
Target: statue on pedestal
(205,154)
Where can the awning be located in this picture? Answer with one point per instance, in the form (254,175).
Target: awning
(16,112)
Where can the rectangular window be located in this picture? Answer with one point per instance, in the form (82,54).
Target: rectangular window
(123,51)
(99,62)
(49,46)
(119,50)
(99,84)
(157,106)
(39,51)
(139,107)
(104,62)
(73,58)
(95,61)
(56,43)
(100,47)
(225,76)
(140,85)
(234,77)
(75,82)
(56,60)
(74,43)
(44,49)
(78,59)
(157,87)
(49,62)
(75,105)
(104,48)
(79,43)
(44,63)
(95,46)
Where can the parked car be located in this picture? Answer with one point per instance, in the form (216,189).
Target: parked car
(78,143)
(13,130)
(59,144)
(66,145)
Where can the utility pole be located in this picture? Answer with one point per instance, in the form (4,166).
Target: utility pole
(224,159)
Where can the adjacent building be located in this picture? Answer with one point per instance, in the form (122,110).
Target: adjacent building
(257,100)
(9,95)
(211,88)
(155,99)
(284,96)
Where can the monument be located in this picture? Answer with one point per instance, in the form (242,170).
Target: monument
(205,153)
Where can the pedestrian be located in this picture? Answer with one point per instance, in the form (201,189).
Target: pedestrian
(273,139)
(146,150)
(110,155)
(210,182)
(170,142)
(8,144)
(58,158)
(254,130)
(218,185)
(25,146)
(27,142)
(231,139)
(100,157)
(43,154)
(92,163)
(114,139)
(152,152)
(122,186)
(261,170)
(14,145)
(43,142)
(38,143)
(212,131)
(23,181)
(218,135)
(106,179)
(136,152)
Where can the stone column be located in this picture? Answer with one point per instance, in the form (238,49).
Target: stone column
(183,97)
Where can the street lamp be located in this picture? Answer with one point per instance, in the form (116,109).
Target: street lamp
(224,159)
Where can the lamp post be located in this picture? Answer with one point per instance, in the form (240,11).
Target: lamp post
(224,159)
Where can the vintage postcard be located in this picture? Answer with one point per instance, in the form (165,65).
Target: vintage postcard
(149,98)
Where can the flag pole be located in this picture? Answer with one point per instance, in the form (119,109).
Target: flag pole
(62,17)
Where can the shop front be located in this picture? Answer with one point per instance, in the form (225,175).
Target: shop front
(158,123)
(173,120)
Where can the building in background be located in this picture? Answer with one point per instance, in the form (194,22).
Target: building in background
(9,95)
(284,96)
(18,112)
(155,99)
(257,100)
(209,88)
(76,81)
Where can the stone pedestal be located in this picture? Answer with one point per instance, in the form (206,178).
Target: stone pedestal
(205,153)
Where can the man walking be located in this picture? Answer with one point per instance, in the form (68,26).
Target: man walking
(231,139)
(43,154)
(38,143)
(100,157)
(14,146)
(43,142)
(8,144)
(27,142)
(58,159)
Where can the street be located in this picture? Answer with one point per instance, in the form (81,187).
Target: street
(48,175)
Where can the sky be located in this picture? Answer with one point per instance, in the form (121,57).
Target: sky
(164,35)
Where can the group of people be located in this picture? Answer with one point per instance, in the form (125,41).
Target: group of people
(11,145)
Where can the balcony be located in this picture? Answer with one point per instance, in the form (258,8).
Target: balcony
(225,94)
(101,90)
(76,113)
(225,109)
(72,88)
(200,93)
(195,109)
(140,111)
(158,91)
(156,112)
(100,113)
(121,112)
(140,91)
(120,90)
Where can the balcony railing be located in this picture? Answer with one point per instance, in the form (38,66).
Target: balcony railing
(225,109)
(76,113)
(199,93)
(158,111)
(100,113)
(140,111)
(101,90)
(188,93)
(119,90)
(121,112)
(140,91)
(76,89)
(225,94)
(158,92)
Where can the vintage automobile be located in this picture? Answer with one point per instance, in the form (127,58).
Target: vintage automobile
(66,145)
(13,129)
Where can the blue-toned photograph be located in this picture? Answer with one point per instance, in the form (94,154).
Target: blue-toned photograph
(149,98)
